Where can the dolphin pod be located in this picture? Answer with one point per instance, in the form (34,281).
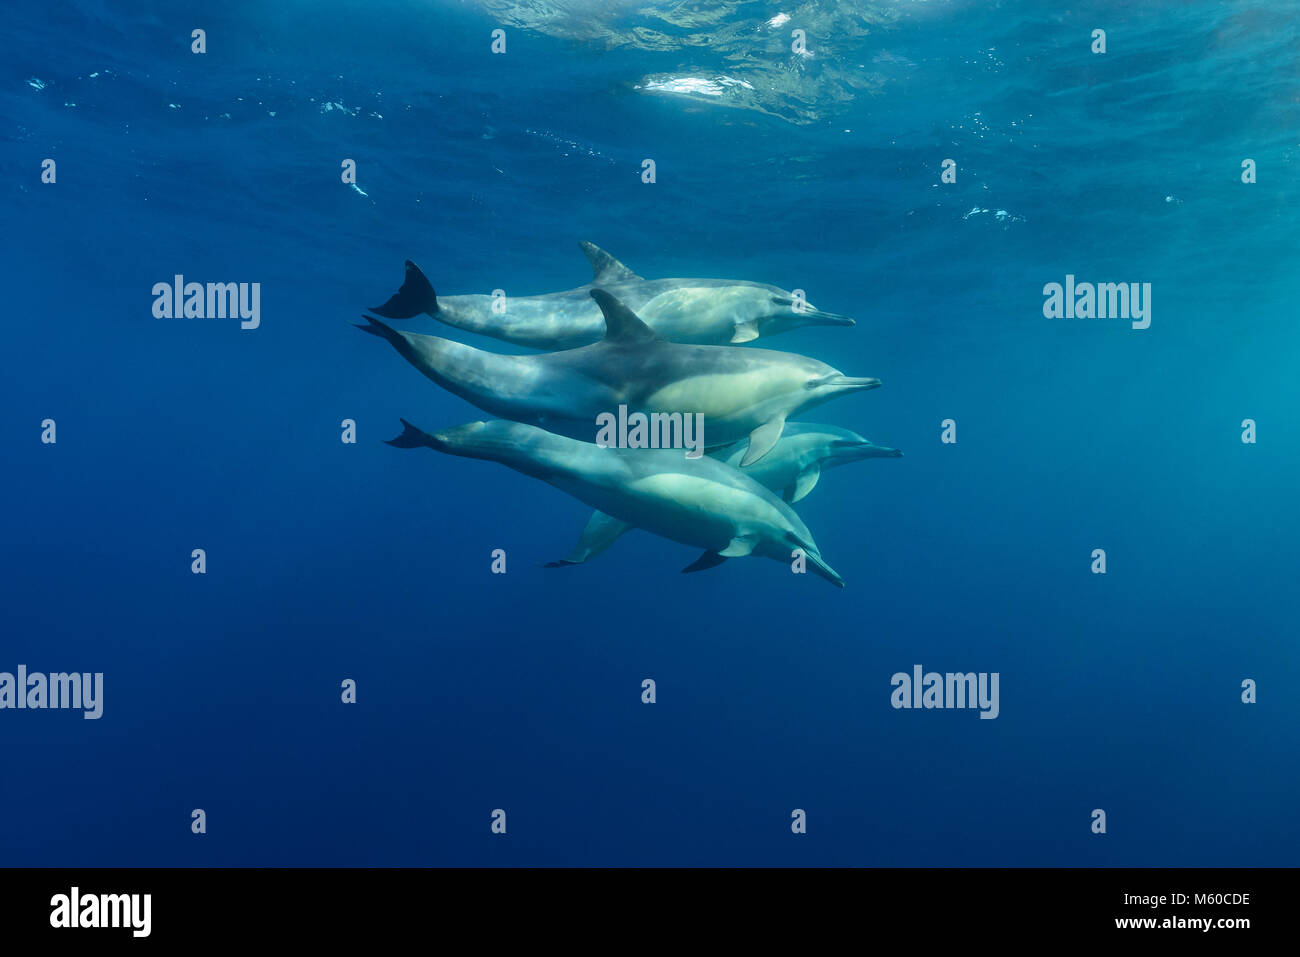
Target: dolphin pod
(677,359)
(791,470)
(738,391)
(696,311)
(700,502)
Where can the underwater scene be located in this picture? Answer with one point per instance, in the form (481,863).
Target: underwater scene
(577,433)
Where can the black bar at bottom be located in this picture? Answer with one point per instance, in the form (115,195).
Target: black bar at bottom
(338,906)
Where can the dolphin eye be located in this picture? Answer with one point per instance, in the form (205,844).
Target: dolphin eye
(778,301)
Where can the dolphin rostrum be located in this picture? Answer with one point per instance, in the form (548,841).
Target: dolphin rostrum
(791,470)
(700,311)
(700,502)
(738,391)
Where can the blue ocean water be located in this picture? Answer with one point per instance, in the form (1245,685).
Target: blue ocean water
(329,561)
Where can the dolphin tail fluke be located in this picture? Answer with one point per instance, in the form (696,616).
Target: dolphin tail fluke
(412,438)
(415,297)
(381,329)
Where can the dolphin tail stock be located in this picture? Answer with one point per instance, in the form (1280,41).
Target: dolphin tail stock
(404,343)
(424,352)
(415,296)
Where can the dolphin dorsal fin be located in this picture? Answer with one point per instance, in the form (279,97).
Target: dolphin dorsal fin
(621,323)
(604,267)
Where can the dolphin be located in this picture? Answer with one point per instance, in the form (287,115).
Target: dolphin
(699,502)
(791,470)
(738,391)
(700,311)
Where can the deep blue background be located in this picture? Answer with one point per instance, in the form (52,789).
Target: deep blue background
(522,692)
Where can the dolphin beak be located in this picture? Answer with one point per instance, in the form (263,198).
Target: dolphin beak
(825,571)
(848,383)
(815,317)
(854,449)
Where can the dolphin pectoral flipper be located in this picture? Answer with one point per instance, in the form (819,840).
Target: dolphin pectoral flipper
(601,532)
(416,296)
(739,547)
(762,439)
(604,267)
(746,331)
(707,560)
(805,483)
